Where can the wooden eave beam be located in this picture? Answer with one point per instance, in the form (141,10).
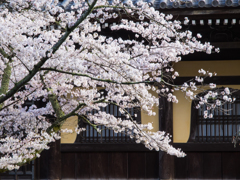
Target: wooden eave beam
(207,147)
(81,147)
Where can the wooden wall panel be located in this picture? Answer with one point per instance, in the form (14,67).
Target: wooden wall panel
(141,165)
(43,164)
(151,165)
(136,165)
(68,166)
(212,165)
(82,165)
(180,168)
(207,165)
(195,165)
(99,165)
(118,165)
(110,165)
(237,159)
(230,165)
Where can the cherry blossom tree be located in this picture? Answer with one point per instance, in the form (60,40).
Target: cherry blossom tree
(56,53)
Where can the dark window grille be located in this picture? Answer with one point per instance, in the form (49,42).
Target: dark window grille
(108,136)
(25,172)
(221,128)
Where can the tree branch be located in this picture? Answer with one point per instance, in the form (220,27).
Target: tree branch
(63,118)
(6,75)
(17,100)
(53,100)
(97,79)
(56,106)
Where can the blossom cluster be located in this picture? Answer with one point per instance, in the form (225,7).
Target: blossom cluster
(209,100)
(140,132)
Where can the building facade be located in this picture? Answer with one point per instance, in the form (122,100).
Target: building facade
(210,152)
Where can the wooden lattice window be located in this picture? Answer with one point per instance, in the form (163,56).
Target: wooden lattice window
(108,136)
(219,129)
(25,172)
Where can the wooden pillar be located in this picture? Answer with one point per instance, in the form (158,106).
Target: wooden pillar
(55,161)
(48,166)
(166,162)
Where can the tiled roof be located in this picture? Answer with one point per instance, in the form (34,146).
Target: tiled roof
(163,4)
(175,4)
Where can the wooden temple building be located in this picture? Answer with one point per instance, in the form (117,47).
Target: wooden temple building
(207,142)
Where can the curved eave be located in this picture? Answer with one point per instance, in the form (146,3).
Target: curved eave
(178,4)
